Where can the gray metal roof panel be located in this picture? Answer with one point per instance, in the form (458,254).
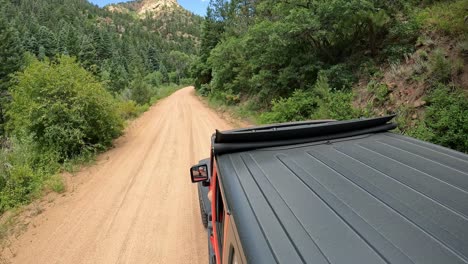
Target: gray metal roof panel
(381,198)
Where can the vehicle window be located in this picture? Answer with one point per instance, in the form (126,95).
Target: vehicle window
(220,218)
(233,257)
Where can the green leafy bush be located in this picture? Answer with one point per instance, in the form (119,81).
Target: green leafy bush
(395,52)
(141,91)
(227,97)
(204,89)
(173,77)
(446,119)
(340,76)
(64,108)
(129,109)
(369,68)
(297,107)
(463,47)
(24,167)
(440,67)
(333,104)
(163,92)
(380,91)
(186,81)
(318,103)
(154,79)
(400,40)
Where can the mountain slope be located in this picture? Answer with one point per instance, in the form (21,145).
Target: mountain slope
(167,17)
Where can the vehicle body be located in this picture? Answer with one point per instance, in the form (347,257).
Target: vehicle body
(334,192)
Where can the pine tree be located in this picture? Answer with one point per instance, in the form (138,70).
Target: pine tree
(87,53)
(62,40)
(152,59)
(213,29)
(11,53)
(30,43)
(105,46)
(46,39)
(73,46)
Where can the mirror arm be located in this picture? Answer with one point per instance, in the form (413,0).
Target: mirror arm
(206,183)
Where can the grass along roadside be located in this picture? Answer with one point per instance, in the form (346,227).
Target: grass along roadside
(237,115)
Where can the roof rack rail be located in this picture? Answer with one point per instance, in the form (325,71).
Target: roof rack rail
(296,133)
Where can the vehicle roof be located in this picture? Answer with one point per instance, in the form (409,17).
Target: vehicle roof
(296,133)
(373,198)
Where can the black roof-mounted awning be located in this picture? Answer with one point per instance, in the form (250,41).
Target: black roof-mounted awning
(296,133)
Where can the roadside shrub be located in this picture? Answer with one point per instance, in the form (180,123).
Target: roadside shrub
(400,40)
(55,183)
(227,97)
(446,119)
(368,68)
(129,109)
(379,90)
(340,76)
(297,107)
(318,103)
(205,89)
(440,68)
(63,108)
(163,92)
(463,47)
(173,77)
(186,81)
(420,64)
(333,104)
(141,91)
(23,169)
(154,79)
(395,52)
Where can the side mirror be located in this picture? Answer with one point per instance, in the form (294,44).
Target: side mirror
(199,173)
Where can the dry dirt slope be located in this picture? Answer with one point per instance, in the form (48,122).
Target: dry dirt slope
(137,204)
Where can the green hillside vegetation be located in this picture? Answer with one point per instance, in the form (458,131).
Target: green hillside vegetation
(70,75)
(340,59)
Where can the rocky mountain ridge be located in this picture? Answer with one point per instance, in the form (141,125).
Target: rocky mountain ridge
(157,6)
(144,7)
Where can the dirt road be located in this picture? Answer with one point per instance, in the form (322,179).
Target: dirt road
(136,205)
